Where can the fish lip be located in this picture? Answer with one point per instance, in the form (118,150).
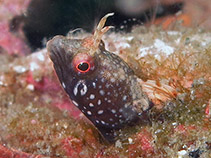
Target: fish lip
(57,54)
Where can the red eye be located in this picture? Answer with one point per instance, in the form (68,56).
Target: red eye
(83,62)
(83,67)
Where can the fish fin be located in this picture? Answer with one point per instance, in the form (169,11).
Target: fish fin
(158,93)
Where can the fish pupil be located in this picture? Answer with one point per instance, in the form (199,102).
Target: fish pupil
(83,67)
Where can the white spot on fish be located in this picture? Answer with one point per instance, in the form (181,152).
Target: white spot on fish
(107,85)
(120,110)
(75,90)
(100,112)
(84,89)
(99,102)
(102,122)
(120,120)
(124,98)
(92,96)
(103,80)
(75,103)
(63,85)
(91,105)
(102,92)
(89,113)
(113,111)
(94,84)
(97,121)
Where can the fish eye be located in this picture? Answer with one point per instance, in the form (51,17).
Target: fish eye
(83,66)
(83,63)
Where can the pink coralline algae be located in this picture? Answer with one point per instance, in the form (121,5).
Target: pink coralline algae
(12,42)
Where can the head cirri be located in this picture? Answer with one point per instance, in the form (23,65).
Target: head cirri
(98,82)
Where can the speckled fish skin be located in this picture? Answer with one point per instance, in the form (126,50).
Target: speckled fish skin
(109,96)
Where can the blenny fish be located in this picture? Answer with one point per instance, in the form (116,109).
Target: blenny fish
(98,82)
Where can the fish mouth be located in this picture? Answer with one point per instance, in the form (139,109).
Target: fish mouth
(59,56)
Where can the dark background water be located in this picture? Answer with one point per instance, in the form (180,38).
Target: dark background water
(47,18)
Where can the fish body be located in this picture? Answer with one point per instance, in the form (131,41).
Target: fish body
(98,82)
